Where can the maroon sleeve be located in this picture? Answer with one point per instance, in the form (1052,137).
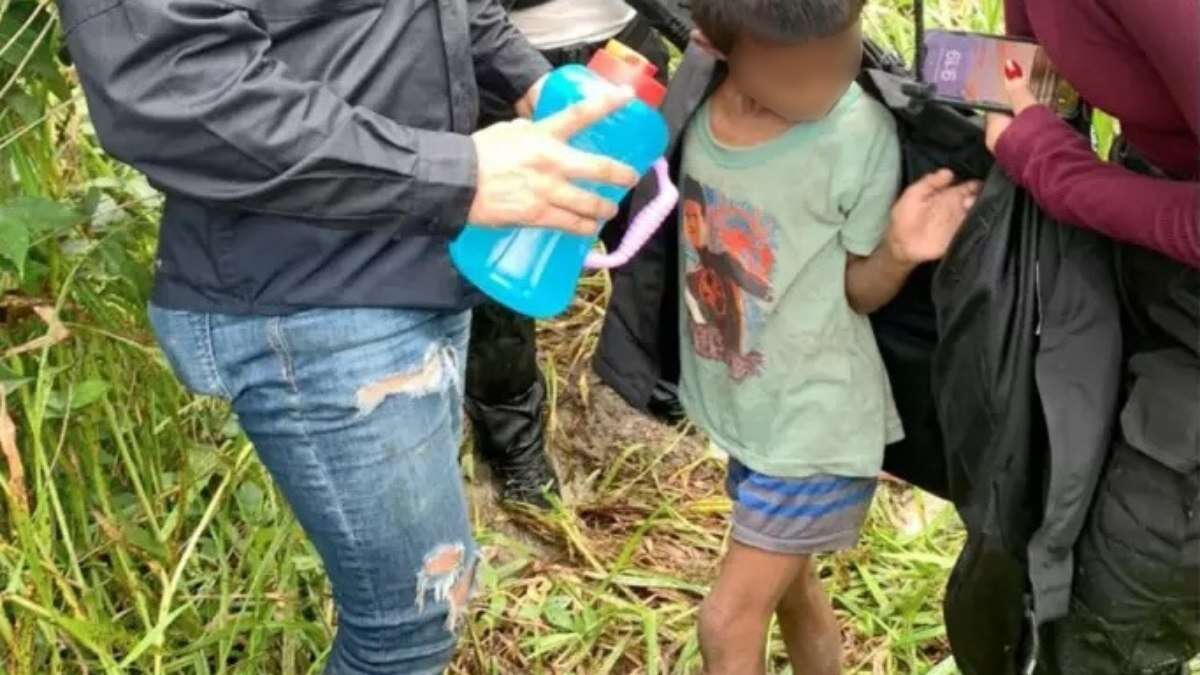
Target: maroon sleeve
(1016,20)
(1167,32)
(1057,165)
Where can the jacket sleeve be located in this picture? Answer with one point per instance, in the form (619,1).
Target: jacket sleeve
(1057,165)
(1167,32)
(1015,19)
(187,92)
(505,63)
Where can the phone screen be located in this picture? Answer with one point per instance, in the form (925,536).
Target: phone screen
(969,68)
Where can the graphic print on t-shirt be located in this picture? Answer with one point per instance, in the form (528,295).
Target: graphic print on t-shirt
(728,259)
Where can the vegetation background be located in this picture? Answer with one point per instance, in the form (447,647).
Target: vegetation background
(139,534)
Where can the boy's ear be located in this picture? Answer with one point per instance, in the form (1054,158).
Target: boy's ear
(701,40)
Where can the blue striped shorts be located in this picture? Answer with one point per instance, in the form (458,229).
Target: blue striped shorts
(797,516)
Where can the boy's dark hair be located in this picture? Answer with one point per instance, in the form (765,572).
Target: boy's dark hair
(782,21)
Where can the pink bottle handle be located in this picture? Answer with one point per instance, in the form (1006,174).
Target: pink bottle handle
(643,225)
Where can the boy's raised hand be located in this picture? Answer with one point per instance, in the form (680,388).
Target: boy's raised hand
(927,216)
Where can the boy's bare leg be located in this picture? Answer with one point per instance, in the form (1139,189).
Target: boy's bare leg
(737,612)
(809,627)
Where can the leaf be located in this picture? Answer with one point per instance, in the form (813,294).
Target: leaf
(529,612)
(106,213)
(35,277)
(137,186)
(34,47)
(232,428)
(82,395)
(551,643)
(651,581)
(920,636)
(14,244)
(28,218)
(944,562)
(87,393)
(8,386)
(26,106)
(202,462)
(91,201)
(11,22)
(497,604)
(142,539)
(306,563)
(103,183)
(1105,130)
(558,615)
(250,501)
(650,634)
(881,599)
(10,381)
(94,634)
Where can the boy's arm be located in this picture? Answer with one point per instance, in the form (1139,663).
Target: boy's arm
(872,281)
(923,223)
(873,273)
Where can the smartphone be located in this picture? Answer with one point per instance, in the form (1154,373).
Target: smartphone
(967,70)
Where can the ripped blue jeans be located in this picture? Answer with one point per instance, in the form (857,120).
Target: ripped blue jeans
(357,415)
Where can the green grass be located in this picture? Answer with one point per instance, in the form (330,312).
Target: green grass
(139,534)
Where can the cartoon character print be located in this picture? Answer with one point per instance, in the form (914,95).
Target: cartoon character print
(729,257)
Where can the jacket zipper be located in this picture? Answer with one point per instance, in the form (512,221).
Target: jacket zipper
(1037,295)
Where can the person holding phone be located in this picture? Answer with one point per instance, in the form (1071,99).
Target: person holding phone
(1136,594)
(317,158)
(506,395)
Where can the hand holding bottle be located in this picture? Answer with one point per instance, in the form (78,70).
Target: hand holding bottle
(526,171)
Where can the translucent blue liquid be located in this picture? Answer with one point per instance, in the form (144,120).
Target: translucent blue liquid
(536,271)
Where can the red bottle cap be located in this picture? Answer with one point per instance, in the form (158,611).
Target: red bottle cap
(623,66)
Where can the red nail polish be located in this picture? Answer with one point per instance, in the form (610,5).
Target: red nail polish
(1012,69)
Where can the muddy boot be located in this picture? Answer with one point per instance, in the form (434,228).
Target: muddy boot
(510,437)
(664,404)
(505,401)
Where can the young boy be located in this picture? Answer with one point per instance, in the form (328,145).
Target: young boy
(789,176)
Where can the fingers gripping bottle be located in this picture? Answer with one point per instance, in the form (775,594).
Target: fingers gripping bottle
(535,271)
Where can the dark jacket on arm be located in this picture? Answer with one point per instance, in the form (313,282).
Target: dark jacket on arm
(639,343)
(313,153)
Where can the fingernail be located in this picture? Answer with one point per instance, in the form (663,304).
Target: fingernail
(1012,69)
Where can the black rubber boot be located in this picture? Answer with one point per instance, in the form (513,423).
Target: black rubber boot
(510,437)
(664,404)
(505,401)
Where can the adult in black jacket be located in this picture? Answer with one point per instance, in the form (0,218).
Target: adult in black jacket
(1134,597)
(505,391)
(317,157)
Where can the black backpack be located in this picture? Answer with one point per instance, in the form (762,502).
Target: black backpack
(1004,359)
(932,136)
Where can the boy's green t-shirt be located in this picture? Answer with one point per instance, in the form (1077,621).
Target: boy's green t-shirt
(777,368)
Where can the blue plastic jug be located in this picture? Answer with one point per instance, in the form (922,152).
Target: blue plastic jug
(535,271)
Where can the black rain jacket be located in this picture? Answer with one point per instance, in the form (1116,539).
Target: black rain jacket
(313,153)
